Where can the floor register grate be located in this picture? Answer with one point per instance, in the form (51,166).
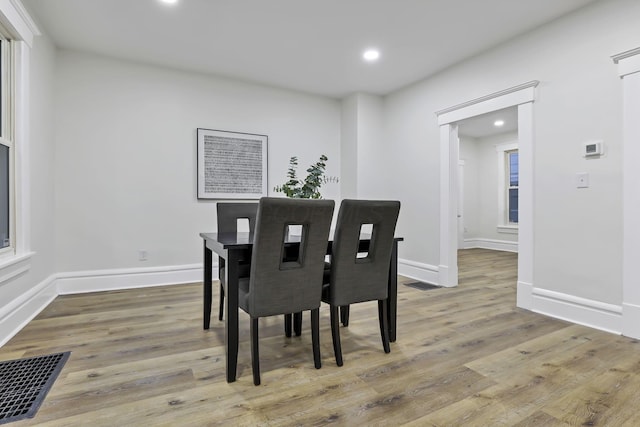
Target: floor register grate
(422,286)
(24,383)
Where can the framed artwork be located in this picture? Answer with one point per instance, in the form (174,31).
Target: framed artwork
(231,165)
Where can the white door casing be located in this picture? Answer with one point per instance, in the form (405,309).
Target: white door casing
(523,97)
(629,70)
(461,204)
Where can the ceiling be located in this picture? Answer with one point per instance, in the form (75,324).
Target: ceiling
(305,45)
(482,126)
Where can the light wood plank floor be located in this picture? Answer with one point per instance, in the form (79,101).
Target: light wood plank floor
(464,357)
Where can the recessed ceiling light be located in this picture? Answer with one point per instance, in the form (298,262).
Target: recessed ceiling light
(498,123)
(371,55)
(169,1)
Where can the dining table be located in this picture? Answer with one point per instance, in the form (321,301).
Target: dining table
(231,248)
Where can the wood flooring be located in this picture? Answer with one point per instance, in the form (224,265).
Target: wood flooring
(465,356)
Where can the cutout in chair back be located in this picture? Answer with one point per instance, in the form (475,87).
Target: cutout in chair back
(242,225)
(236,217)
(292,254)
(366,231)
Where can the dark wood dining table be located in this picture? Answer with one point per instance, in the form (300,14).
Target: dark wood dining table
(233,247)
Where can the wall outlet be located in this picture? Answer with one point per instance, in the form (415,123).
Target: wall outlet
(142,255)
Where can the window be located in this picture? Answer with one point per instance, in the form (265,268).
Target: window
(6,149)
(508,182)
(512,186)
(4,197)
(17,31)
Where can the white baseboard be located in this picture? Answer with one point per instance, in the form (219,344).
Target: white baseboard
(594,314)
(110,280)
(493,244)
(418,271)
(631,321)
(524,295)
(17,313)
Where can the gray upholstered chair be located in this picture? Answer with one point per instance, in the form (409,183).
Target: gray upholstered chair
(228,216)
(355,276)
(278,285)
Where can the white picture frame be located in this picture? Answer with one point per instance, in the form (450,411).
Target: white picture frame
(231,165)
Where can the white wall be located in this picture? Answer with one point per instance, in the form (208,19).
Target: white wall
(41,159)
(126,156)
(577,233)
(472,199)
(372,178)
(481,187)
(362,147)
(349,147)
(412,172)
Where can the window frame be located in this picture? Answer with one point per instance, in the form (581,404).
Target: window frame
(7,114)
(509,186)
(18,28)
(503,150)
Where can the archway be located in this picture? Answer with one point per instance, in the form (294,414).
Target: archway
(521,96)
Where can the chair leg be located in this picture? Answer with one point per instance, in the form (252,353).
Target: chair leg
(221,311)
(255,353)
(297,323)
(287,325)
(384,324)
(344,315)
(315,336)
(335,334)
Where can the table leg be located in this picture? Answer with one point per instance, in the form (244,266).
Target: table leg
(221,279)
(392,301)
(207,287)
(231,323)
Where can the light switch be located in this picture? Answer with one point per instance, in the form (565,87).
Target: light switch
(582,180)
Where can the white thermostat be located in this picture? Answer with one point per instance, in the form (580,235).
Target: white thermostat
(592,148)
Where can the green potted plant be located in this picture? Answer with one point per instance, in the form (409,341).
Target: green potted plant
(309,188)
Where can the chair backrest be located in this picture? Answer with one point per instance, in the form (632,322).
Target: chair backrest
(230,213)
(355,277)
(278,285)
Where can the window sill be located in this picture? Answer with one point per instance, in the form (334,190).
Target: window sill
(13,266)
(508,229)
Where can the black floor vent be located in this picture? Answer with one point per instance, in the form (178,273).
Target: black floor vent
(422,286)
(24,383)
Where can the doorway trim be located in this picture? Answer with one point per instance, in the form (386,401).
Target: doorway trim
(523,97)
(629,71)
